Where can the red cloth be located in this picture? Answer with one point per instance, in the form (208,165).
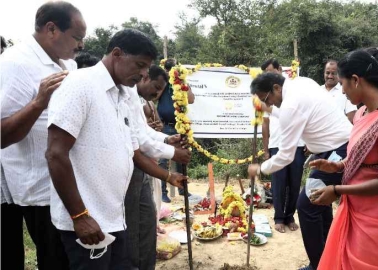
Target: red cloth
(352,242)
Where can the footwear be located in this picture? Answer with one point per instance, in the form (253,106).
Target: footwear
(165,198)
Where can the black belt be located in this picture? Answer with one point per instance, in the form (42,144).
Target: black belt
(169,124)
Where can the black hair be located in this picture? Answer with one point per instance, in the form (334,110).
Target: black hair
(265,81)
(134,42)
(330,61)
(373,51)
(271,61)
(3,42)
(362,63)
(60,13)
(156,71)
(85,59)
(169,64)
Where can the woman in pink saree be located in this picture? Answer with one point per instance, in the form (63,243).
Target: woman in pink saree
(352,242)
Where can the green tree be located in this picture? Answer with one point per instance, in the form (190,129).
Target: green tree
(97,44)
(148,29)
(189,40)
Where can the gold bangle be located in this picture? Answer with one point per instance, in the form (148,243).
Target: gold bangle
(85,212)
(168,177)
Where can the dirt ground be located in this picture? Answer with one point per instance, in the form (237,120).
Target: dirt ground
(284,251)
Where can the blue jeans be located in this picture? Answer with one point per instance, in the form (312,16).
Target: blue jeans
(286,184)
(169,130)
(315,220)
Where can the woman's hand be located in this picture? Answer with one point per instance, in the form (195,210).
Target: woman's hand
(324,196)
(326,166)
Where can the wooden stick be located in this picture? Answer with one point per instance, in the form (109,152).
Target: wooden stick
(187,215)
(241,185)
(254,155)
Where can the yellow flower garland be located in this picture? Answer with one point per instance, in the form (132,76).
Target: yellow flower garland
(177,78)
(294,68)
(236,201)
(162,62)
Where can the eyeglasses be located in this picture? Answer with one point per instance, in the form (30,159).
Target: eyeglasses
(266,97)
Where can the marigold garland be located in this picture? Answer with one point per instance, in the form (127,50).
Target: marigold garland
(254,72)
(177,78)
(162,62)
(294,68)
(230,200)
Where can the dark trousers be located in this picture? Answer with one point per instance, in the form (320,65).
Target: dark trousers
(12,241)
(169,130)
(50,250)
(113,259)
(141,223)
(315,220)
(286,184)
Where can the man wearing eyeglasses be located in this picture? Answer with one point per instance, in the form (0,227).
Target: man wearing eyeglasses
(304,112)
(287,181)
(334,89)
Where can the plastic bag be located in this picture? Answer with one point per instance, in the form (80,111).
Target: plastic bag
(165,211)
(167,248)
(312,185)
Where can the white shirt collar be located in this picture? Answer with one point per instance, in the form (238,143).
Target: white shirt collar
(40,52)
(337,87)
(103,78)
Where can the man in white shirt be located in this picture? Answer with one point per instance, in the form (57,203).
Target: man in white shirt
(287,181)
(335,91)
(30,72)
(139,205)
(304,112)
(92,142)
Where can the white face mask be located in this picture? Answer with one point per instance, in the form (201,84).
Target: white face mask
(101,245)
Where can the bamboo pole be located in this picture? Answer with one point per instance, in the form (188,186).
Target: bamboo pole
(254,154)
(187,215)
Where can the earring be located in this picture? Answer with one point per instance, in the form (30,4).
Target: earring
(356,85)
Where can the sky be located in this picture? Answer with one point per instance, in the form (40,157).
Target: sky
(17,16)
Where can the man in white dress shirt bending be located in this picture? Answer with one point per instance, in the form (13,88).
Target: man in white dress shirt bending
(304,111)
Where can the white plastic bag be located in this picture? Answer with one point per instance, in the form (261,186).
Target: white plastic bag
(313,184)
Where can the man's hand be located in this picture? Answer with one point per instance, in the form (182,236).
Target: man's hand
(48,86)
(265,108)
(182,155)
(177,179)
(88,230)
(157,125)
(325,166)
(325,196)
(253,170)
(266,155)
(178,141)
